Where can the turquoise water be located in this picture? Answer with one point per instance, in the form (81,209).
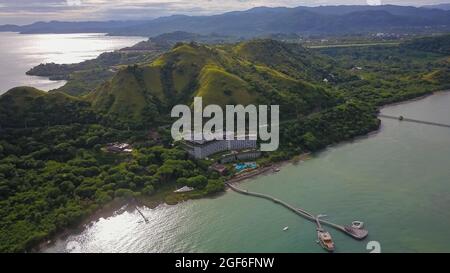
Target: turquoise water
(20,52)
(397,181)
(244,166)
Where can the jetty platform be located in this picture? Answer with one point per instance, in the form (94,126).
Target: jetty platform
(355,233)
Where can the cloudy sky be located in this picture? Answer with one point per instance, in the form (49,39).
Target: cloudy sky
(27,11)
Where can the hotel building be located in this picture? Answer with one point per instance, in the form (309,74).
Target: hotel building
(201,149)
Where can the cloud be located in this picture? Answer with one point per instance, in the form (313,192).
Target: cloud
(25,11)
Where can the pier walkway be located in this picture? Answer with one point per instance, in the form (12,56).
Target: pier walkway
(401,118)
(355,233)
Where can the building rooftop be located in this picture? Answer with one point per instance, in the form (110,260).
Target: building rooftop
(201,139)
(184,189)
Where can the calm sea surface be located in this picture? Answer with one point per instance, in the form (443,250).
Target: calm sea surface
(397,181)
(19,53)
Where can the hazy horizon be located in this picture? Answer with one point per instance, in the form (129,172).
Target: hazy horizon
(28,11)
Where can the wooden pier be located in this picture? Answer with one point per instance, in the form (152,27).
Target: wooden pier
(401,118)
(136,204)
(143,216)
(358,234)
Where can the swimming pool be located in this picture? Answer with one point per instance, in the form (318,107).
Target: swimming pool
(243,166)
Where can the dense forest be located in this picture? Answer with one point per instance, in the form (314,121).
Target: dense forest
(55,171)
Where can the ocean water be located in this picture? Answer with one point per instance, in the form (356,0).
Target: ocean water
(20,52)
(397,181)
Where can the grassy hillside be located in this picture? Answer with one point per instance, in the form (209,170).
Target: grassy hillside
(85,76)
(290,59)
(300,80)
(227,74)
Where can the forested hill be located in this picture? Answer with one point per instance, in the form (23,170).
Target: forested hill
(439,44)
(23,107)
(263,21)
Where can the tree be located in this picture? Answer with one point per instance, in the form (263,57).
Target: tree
(181,182)
(215,186)
(90,142)
(85,192)
(310,141)
(124,193)
(148,190)
(198,182)
(66,187)
(4,190)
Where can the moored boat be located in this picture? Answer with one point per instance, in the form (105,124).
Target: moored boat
(325,240)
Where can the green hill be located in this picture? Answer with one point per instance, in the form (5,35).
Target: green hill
(437,44)
(291,59)
(261,71)
(141,95)
(439,76)
(28,107)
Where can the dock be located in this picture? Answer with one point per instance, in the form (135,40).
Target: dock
(358,234)
(401,118)
(136,203)
(143,216)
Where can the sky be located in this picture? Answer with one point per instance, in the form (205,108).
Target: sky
(28,11)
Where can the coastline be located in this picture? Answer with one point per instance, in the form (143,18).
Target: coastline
(120,206)
(111,209)
(414,99)
(269,169)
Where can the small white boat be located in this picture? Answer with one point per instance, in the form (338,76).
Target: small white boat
(276,170)
(285,229)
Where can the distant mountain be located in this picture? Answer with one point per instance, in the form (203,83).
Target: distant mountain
(9,28)
(300,20)
(439,6)
(70,27)
(264,21)
(185,37)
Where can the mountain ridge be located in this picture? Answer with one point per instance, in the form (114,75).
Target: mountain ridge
(263,20)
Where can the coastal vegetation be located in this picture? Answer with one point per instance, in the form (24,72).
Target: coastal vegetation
(54,170)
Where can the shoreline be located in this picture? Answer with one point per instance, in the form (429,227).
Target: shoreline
(414,99)
(269,169)
(117,207)
(120,206)
(113,208)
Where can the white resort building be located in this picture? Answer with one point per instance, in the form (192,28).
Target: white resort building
(201,149)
